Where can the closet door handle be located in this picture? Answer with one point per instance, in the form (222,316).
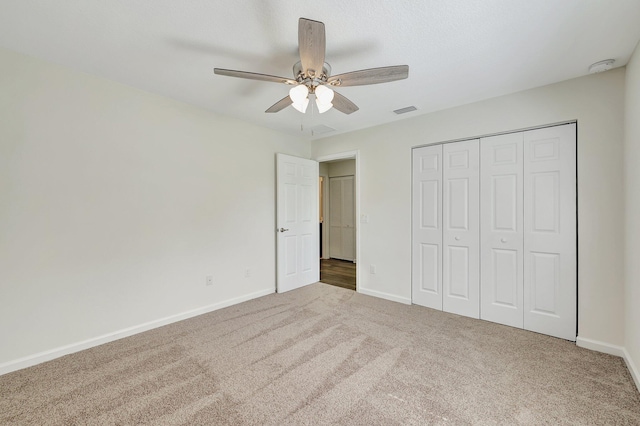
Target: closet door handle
(457,238)
(504,240)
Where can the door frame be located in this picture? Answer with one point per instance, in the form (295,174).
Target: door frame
(350,155)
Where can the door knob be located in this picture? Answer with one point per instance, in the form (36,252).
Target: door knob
(504,240)
(283,229)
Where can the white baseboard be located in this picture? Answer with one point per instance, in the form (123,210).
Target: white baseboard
(384,295)
(607,348)
(633,369)
(597,346)
(41,357)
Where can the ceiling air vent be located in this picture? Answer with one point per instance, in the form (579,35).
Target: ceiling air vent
(405,110)
(320,129)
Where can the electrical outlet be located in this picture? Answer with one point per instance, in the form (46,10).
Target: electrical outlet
(209,279)
(247,272)
(372,269)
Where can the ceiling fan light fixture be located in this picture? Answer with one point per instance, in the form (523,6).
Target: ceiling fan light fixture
(312,75)
(298,93)
(324,94)
(299,97)
(301,106)
(322,107)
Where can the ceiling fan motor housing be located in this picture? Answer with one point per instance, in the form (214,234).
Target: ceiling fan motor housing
(299,74)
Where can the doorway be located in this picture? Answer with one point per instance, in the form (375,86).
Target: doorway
(341,273)
(339,208)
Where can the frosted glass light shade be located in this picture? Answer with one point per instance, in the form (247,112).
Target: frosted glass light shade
(301,106)
(299,96)
(298,93)
(323,107)
(324,95)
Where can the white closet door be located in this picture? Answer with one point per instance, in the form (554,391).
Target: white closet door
(550,253)
(426,262)
(501,229)
(461,228)
(342,218)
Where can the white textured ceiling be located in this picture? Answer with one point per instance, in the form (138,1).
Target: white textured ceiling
(458,51)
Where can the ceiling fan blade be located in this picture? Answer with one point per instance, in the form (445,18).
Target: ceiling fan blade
(311,44)
(280,105)
(254,76)
(343,104)
(370,76)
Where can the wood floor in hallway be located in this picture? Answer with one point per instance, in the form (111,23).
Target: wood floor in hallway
(341,273)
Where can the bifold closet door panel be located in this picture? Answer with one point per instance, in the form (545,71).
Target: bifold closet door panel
(501,229)
(426,262)
(550,253)
(461,228)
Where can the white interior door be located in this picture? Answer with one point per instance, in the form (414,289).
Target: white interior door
(298,260)
(461,228)
(501,229)
(342,218)
(550,253)
(426,262)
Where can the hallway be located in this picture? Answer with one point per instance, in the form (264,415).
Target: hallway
(341,273)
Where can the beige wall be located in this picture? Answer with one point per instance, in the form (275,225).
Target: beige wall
(632,213)
(342,168)
(323,169)
(595,101)
(115,204)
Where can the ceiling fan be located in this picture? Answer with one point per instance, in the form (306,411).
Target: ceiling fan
(312,75)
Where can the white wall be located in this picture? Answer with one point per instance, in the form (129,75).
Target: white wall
(632,213)
(115,204)
(596,101)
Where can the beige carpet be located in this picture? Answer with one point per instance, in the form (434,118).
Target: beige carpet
(326,355)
